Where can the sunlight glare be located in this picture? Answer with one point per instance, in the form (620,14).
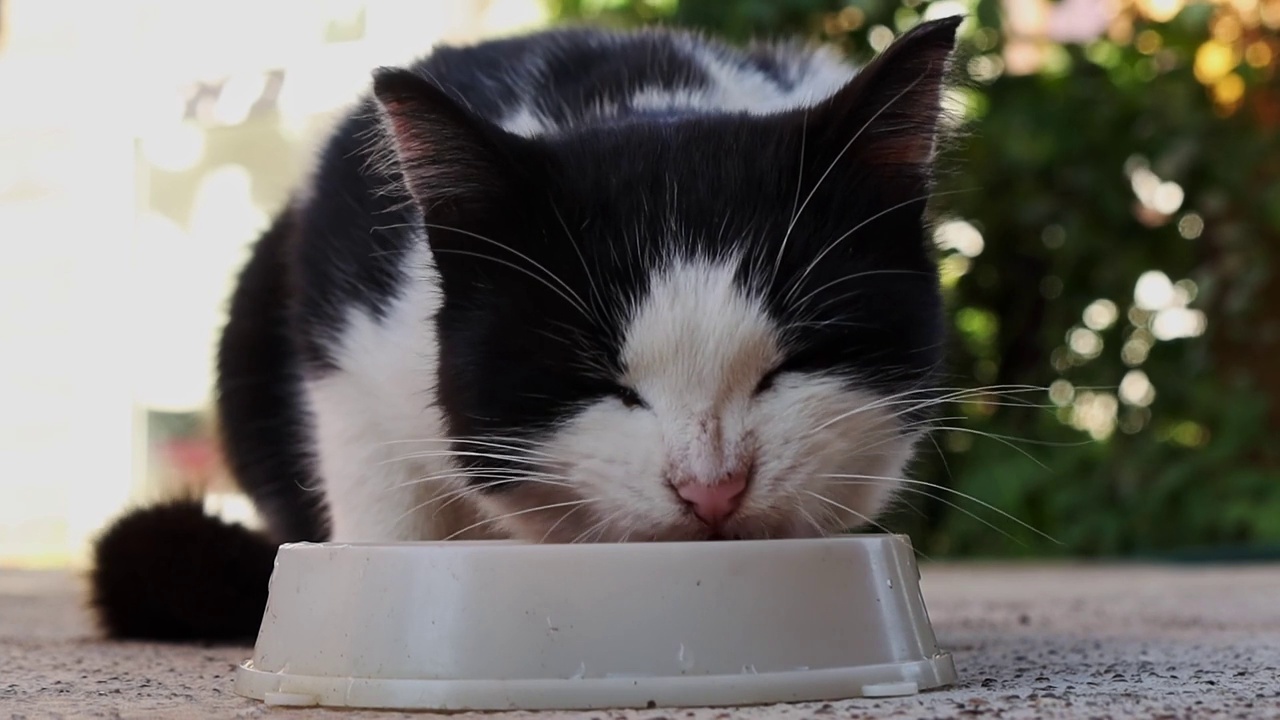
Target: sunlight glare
(1175,323)
(1085,342)
(1061,392)
(1153,291)
(960,236)
(1095,413)
(1100,314)
(175,147)
(1136,389)
(236,101)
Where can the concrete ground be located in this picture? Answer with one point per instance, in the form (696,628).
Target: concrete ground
(1029,642)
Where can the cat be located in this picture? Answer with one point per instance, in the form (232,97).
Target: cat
(578,285)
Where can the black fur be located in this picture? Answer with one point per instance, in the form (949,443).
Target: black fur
(259,398)
(172,573)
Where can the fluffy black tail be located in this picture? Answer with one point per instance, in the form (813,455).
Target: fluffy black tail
(171,572)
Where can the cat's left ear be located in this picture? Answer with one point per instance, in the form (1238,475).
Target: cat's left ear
(447,155)
(887,117)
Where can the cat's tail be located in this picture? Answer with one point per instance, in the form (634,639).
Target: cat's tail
(171,572)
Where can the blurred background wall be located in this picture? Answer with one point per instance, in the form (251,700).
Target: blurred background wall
(143,145)
(1106,238)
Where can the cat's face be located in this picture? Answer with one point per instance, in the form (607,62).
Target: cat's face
(715,328)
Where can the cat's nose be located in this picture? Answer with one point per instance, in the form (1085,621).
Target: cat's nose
(712,503)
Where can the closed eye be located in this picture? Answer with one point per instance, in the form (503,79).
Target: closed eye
(766,382)
(630,398)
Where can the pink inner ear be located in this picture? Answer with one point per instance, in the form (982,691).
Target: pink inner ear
(409,141)
(906,129)
(908,149)
(895,102)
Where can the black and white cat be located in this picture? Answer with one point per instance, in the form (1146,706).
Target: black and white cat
(574,286)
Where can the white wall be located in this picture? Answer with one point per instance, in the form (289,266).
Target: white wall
(104,311)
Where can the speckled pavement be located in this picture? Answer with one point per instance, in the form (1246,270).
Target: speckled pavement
(1029,642)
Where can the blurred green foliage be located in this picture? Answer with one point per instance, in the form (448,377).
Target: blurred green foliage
(1084,166)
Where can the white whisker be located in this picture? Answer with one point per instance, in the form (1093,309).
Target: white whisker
(575,302)
(563,517)
(831,246)
(900,399)
(839,156)
(907,481)
(483,443)
(473,489)
(526,511)
(581,537)
(582,305)
(482,474)
(459,454)
(864,518)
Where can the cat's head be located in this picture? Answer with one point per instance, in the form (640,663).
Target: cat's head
(725,326)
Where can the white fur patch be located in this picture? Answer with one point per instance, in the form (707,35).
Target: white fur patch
(524,121)
(695,350)
(377,429)
(739,89)
(815,75)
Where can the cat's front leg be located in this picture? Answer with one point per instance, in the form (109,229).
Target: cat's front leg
(382,485)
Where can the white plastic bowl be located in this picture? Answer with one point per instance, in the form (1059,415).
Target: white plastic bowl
(502,626)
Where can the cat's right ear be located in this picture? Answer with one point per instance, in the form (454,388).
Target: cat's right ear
(447,156)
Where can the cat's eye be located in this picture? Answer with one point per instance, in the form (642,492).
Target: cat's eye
(630,397)
(766,382)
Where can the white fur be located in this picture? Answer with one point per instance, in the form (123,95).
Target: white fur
(524,121)
(734,88)
(375,412)
(816,74)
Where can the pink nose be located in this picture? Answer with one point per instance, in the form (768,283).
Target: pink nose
(713,503)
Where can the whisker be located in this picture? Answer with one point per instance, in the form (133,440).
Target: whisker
(575,302)
(526,511)
(865,519)
(552,276)
(563,517)
(839,156)
(591,287)
(808,517)
(907,481)
(457,454)
(462,491)
(899,399)
(483,443)
(538,478)
(847,278)
(831,246)
(957,507)
(1007,440)
(474,489)
(1002,439)
(581,537)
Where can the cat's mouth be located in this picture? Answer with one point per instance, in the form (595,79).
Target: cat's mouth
(536,513)
(753,528)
